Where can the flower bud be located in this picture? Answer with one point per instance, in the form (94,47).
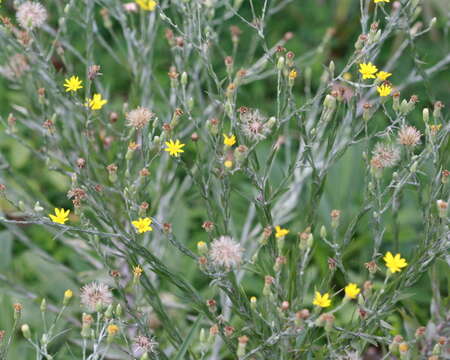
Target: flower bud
(202,248)
(442,207)
(67,296)
(26,331)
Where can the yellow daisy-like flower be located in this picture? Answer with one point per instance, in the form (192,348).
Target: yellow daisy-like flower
(377,1)
(68,294)
(142,225)
(394,263)
(229,140)
(228,164)
(174,148)
(384,90)
(112,329)
(147,5)
(137,271)
(60,217)
(96,103)
(368,70)
(280,232)
(351,291)
(322,301)
(383,75)
(293,74)
(73,84)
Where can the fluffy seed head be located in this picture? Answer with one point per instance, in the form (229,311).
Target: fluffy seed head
(31,14)
(385,155)
(139,117)
(409,136)
(95,295)
(254,125)
(225,252)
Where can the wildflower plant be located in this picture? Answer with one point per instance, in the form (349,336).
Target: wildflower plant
(201,208)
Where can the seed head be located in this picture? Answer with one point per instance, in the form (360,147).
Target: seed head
(31,14)
(254,125)
(95,295)
(143,344)
(385,155)
(225,252)
(139,117)
(409,136)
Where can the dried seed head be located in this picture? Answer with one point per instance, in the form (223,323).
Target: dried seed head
(139,117)
(143,344)
(409,136)
(31,14)
(208,226)
(229,330)
(95,296)
(225,252)
(254,125)
(385,155)
(302,314)
(94,71)
(113,117)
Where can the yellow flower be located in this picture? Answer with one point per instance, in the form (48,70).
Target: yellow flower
(280,232)
(142,225)
(377,1)
(352,291)
(174,148)
(96,103)
(112,329)
(68,294)
(383,75)
(147,5)
(137,271)
(228,164)
(367,70)
(73,84)
(394,263)
(229,140)
(60,217)
(293,74)
(384,90)
(322,300)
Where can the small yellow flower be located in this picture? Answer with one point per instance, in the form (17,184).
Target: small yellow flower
(253,299)
(293,74)
(228,164)
(96,103)
(73,84)
(229,140)
(68,294)
(367,70)
(352,291)
(383,75)
(142,225)
(377,1)
(435,128)
(174,148)
(394,263)
(137,271)
(322,300)
(280,232)
(112,329)
(384,90)
(60,217)
(147,5)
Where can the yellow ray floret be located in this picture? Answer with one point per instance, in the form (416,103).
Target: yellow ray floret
(322,300)
(73,84)
(368,70)
(142,225)
(174,148)
(60,217)
(394,263)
